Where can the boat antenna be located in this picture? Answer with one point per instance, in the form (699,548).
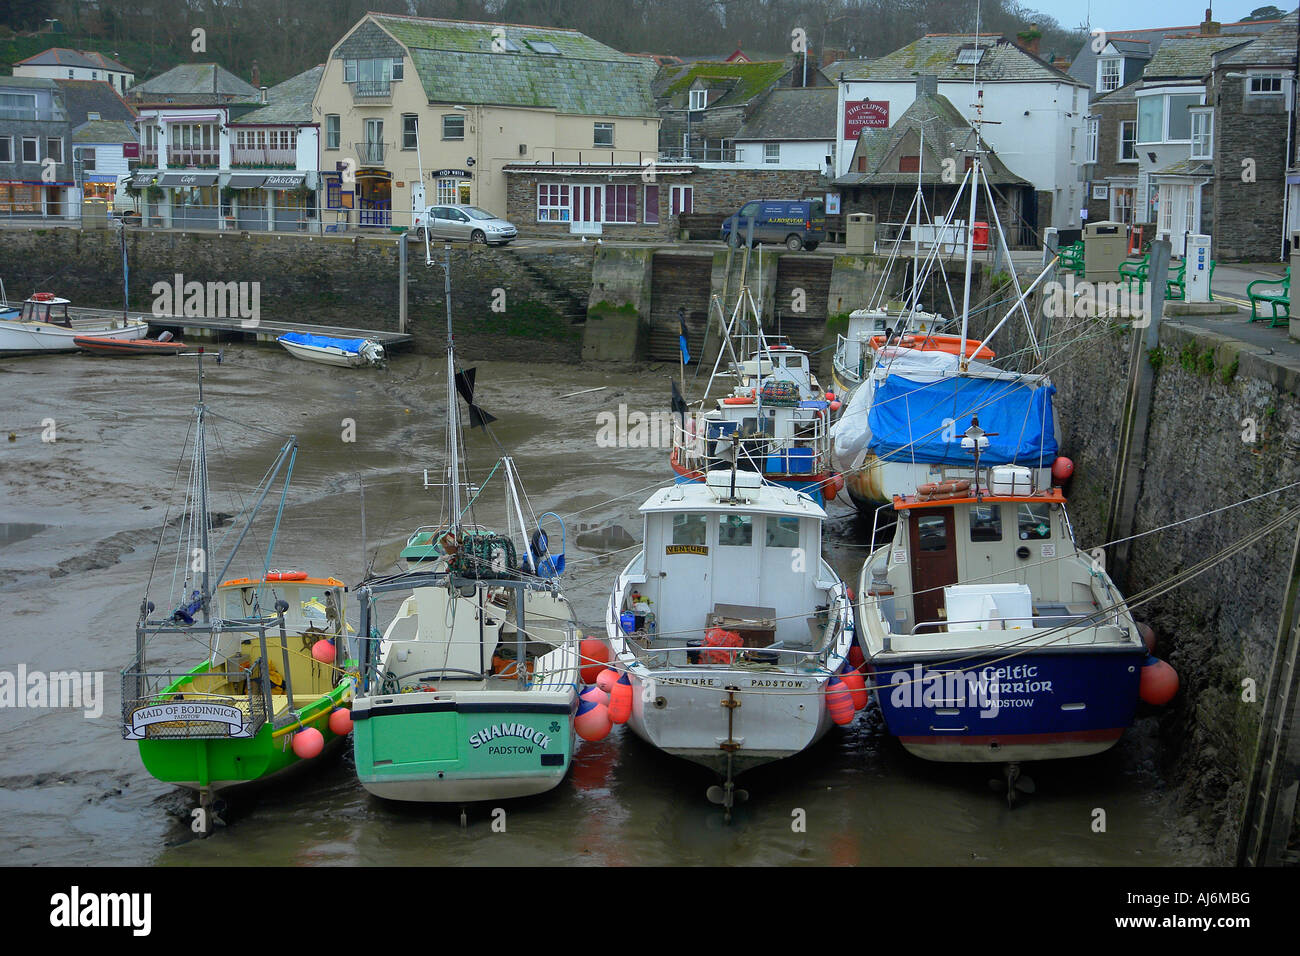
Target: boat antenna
(200,433)
(974,184)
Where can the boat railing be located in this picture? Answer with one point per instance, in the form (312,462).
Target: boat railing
(764,453)
(1091,621)
(156,704)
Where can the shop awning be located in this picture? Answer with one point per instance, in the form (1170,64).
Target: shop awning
(284,181)
(246,180)
(188,179)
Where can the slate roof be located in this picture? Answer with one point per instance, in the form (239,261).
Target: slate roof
(1188,57)
(736,84)
(83,97)
(944,125)
(1084,66)
(107,62)
(793,113)
(835,68)
(60,56)
(1277,47)
(104,131)
(194,80)
(936,54)
(1125,94)
(1187,167)
(455,63)
(290,101)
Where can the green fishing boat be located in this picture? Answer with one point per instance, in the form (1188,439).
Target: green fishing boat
(269,693)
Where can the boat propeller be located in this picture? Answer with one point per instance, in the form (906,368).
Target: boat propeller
(1012,782)
(465,388)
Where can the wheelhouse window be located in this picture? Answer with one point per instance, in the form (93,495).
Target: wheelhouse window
(986,523)
(1035,522)
(453,126)
(932,532)
(735,531)
(690,529)
(782,532)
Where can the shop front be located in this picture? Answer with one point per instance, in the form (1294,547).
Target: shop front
(374,189)
(293,205)
(194,200)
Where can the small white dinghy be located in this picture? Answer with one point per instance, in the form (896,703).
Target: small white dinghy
(45,325)
(330,350)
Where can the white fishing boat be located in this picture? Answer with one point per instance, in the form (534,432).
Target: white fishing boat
(332,350)
(45,325)
(751,626)
(471,691)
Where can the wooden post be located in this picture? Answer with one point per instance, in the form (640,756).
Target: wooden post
(1131,462)
(1275,773)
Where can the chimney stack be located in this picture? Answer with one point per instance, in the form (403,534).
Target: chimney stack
(1029,39)
(1210,28)
(257,77)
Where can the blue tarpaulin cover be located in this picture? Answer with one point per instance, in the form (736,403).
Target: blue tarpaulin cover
(322,341)
(908,421)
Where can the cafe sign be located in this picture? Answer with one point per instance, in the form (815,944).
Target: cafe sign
(865,114)
(282,182)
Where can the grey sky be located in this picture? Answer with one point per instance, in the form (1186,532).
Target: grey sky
(1124,14)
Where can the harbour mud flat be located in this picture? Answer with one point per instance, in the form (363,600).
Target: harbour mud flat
(80,516)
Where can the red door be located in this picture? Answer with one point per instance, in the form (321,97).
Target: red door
(934,562)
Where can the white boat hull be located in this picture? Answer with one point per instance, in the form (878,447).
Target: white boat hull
(31,338)
(326,356)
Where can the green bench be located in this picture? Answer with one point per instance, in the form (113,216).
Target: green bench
(1135,270)
(1176,285)
(1071,258)
(1276,292)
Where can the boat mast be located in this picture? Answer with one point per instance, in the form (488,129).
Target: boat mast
(916,230)
(201,410)
(974,188)
(452,436)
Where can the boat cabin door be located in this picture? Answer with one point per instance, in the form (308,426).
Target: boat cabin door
(932,543)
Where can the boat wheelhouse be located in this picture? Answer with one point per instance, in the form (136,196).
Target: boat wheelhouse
(990,636)
(868,331)
(736,556)
(46,325)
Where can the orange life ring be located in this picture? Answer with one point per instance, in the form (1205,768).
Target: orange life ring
(928,488)
(42,296)
(740,399)
(287,576)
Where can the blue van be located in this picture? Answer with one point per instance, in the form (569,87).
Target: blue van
(797,223)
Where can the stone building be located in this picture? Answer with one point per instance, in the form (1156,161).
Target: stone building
(1250,95)
(1110,156)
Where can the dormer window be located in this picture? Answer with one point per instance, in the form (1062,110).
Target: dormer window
(699,99)
(970,56)
(1108,74)
(543,46)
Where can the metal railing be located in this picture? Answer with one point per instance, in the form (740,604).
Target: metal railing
(369,152)
(371,89)
(183,157)
(763,453)
(148,691)
(700,154)
(263,156)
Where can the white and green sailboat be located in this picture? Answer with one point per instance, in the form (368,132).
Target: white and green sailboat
(471,691)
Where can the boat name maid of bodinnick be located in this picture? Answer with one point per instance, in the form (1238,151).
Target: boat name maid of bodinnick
(178,711)
(522,731)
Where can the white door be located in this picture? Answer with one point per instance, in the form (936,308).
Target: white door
(589,204)
(681,199)
(736,570)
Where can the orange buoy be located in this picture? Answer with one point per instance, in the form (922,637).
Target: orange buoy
(1062,468)
(833,486)
(620,700)
(606,679)
(594,654)
(839,702)
(1158,683)
(341,721)
(857,686)
(835,406)
(592,721)
(308,743)
(857,660)
(830,396)
(323,651)
(1148,635)
(595,695)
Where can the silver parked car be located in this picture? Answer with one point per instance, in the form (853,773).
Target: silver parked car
(467,223)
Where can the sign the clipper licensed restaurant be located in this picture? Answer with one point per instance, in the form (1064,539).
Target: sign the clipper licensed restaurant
(865,114)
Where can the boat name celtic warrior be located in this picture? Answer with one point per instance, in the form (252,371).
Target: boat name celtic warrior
(269,693)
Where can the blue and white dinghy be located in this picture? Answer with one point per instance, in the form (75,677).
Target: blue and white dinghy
(329,350)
